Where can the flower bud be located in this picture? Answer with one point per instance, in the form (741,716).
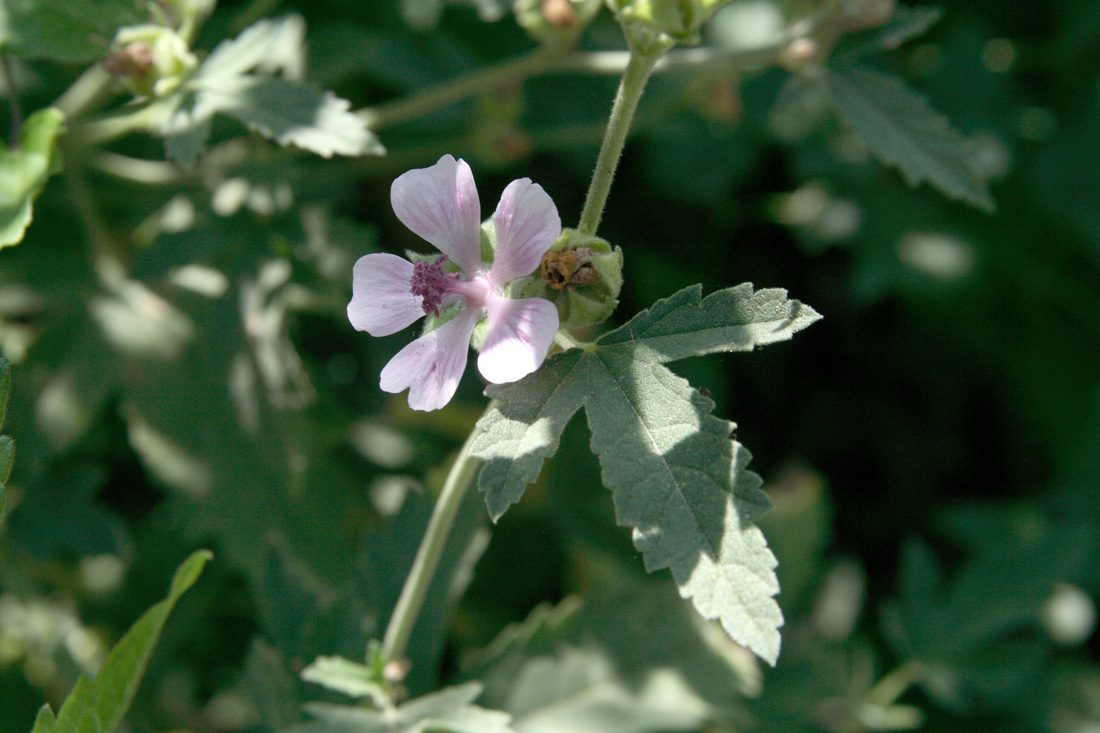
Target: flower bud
(151,60)
(581,274)
(680,19)
(555,23)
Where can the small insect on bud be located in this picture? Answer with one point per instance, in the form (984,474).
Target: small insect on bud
(133,60)
(560,269)
(559,13)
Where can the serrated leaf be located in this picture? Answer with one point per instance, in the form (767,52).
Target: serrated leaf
(678,479)
(98,706)
(293,113)
(450,710)
(902,130)
(61,29)
(906,24)
(24,170)
(269,45)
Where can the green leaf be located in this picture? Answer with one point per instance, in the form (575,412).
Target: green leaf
(24,170)
(678,479)
(292,113)
(98,706)
(906,24)
(451,710)
(285,110)
(899,127)
(343,675)
(61,29)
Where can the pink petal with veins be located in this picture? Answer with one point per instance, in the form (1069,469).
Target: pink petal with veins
(527,223)
(520,334)
(381,303)
(431,367)
(440,204)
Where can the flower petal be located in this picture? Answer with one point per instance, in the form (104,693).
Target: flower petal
(431,367)
(381,302)
(440,204)
(520,334)
(527,223)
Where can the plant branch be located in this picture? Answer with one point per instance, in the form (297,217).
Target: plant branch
(638,71)
(411,601)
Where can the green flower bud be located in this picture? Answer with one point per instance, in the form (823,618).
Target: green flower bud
(679,19)
(581,274)
(151,60)
(555,23)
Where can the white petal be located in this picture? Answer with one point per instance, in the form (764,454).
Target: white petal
(440,204)
(527,223)
(431,367)
(381,302)
(520,334)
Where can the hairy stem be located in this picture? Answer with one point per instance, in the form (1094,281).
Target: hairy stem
(638,71)
(411,601)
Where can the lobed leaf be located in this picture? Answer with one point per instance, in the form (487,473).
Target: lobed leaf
(98,706)
(678,479)
(24,170)
(899,127)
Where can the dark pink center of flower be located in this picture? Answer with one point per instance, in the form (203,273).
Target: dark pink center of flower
(431,282)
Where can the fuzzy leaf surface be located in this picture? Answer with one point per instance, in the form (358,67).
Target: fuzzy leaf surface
(902,130)
(98,706)
(679,480)
(450,710)
(24,170)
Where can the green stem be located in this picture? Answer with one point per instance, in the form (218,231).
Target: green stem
(441,95)
(638,71)
(411,601)
(894,684)
(85,93)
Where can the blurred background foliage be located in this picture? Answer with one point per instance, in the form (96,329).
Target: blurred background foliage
(183,376)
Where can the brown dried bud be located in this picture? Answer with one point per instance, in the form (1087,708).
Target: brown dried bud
(559,13)
(132,61)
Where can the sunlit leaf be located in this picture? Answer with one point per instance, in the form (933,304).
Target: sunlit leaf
(899,127)
(678,479)
(99,705)
(24,170)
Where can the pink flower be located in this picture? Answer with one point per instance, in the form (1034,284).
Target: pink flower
(441,205)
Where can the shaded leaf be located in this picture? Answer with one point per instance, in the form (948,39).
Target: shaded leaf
(906,24)
(24,170)
(451,710)
(99,706)
(901,129)
(678,479)
(235,80)
(61,29)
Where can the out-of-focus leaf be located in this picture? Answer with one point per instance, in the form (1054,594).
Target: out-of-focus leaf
(63,30)
(899,127)
(678,479)
(283,109)
(98,706)
(451,710)
(24,170)
(343,675)
(906,24)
